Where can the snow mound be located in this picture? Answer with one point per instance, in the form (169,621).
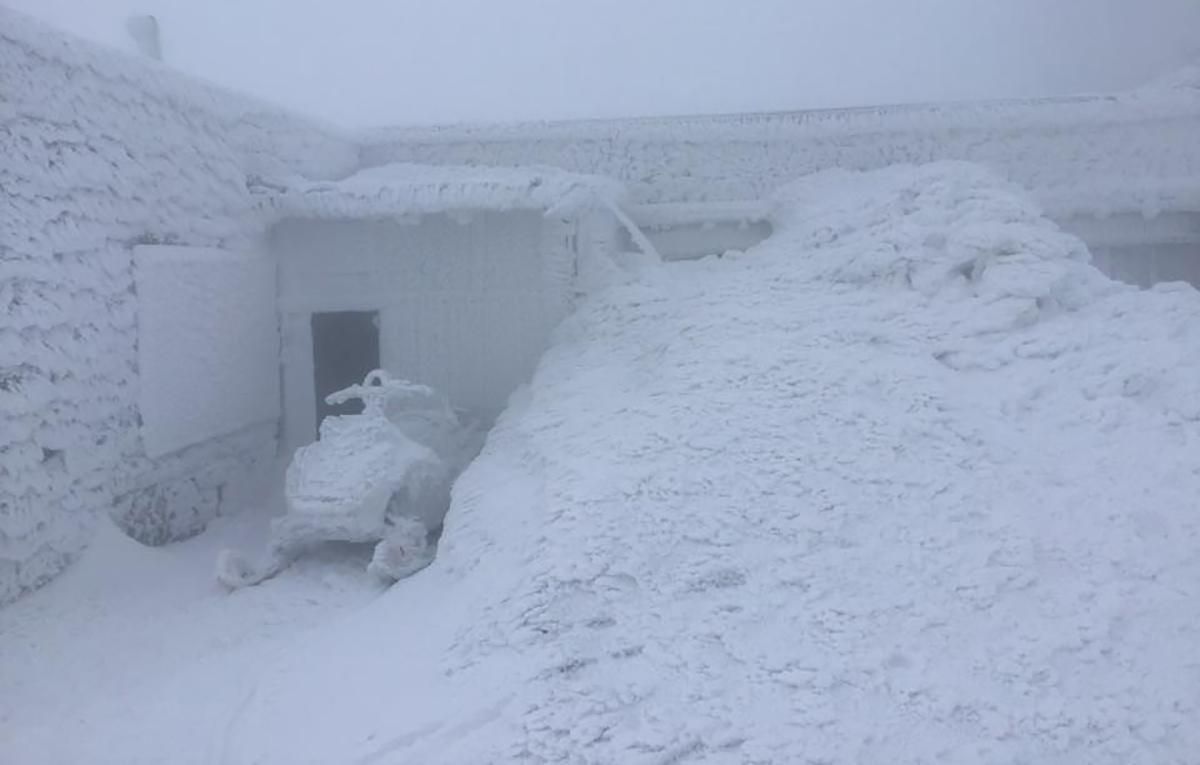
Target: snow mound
(911,481)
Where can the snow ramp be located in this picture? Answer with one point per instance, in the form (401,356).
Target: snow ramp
(910,482)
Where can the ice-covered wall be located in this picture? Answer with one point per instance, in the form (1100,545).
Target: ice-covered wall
(1131,152)
(100,152)
(1135,154)
(208,344)
(466,300)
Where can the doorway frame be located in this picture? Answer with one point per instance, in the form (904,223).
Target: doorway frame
(322,337)
(297,367)
(296,378)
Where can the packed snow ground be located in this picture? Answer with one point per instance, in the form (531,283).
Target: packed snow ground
(909,482)
(137,655)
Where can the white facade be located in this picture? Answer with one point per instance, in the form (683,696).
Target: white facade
(466,301)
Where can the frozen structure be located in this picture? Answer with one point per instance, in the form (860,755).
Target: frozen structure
(186,274)
(452,277)
(909,482)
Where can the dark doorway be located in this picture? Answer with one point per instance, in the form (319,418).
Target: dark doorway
(345,349)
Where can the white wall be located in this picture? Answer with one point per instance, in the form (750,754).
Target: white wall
(691,241)
(100,153)
(1146,265)
(1075,155)
(466,303)
(208,344)
(1143,251)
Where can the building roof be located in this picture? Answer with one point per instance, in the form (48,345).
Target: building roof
(403,189)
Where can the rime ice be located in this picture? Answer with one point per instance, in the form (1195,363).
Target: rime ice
(873,464)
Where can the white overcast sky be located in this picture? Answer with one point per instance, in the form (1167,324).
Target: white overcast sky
(373,62)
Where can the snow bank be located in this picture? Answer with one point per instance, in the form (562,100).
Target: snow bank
(910,482)
(102,152)
(1090,155)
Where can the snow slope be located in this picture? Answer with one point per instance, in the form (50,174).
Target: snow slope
(909,482)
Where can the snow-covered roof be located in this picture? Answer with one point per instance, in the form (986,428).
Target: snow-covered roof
(410,189)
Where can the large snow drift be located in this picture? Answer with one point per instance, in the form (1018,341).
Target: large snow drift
(909,482)
(412,189)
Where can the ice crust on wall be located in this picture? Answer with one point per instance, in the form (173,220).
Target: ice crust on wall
(405,189)
(909,482)
(100,152)
(1087,155)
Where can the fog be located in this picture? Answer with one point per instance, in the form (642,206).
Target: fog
(369,62)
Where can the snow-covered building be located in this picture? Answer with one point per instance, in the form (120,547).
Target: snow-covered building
(451,277)
(147,221)
(100,154)
(1122,171)
(184,271)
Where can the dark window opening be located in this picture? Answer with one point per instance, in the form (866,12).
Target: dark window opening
(345,349)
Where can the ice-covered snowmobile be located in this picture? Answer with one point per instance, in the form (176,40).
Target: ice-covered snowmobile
(380,476)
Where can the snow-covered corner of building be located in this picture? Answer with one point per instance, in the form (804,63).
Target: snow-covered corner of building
(403,189)
(103,152)
(208,344)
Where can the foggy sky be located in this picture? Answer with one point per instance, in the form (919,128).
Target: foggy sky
(374,62)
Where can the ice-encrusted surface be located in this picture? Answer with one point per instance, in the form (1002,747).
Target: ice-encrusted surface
(1087,155)
(409,189)
(101,152)
(910,482)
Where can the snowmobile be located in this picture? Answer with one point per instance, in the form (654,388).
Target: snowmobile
(381,476)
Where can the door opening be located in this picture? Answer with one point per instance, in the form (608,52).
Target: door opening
(345,349)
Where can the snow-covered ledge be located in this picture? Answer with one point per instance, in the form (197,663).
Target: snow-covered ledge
(1133,151)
